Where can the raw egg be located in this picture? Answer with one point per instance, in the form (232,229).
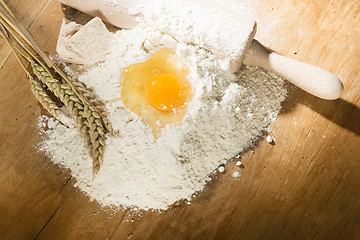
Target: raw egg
(157,90)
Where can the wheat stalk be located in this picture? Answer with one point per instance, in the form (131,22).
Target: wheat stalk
(88,113)
(86,116)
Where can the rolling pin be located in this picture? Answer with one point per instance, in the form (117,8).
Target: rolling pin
(311,79)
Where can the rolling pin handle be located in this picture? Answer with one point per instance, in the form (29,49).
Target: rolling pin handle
(311,79)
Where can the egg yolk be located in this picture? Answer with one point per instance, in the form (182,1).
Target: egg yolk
(165,92)
(157,90)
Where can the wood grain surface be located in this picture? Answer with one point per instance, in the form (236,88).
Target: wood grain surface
(306,186)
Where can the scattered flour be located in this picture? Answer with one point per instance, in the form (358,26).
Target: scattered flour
(226,115)
(236,174)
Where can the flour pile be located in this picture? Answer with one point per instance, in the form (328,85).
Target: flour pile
(226,115)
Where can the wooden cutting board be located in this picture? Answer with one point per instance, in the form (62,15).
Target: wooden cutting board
(306,186)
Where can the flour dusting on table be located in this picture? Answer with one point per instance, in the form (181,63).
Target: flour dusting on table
(226,115)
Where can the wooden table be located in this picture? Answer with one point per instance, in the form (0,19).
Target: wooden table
(306,186)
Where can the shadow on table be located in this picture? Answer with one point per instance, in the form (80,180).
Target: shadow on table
(340,111)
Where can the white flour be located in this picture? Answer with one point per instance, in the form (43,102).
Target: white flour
(226,115)
(200,22)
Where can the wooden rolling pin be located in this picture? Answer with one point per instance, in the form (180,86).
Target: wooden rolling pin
(314,80)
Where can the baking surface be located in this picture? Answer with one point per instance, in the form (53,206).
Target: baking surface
(306,186)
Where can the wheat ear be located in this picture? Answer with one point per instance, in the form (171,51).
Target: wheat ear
(99,105)
(86,116)
(44,99)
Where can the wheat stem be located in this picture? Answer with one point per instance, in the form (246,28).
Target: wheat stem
(13,34)
(17,50)
(8,16)
(13,48)
(3,31)
(8,9)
